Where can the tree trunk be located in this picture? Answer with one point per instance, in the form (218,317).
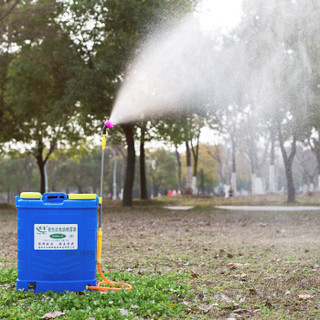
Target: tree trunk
(202,188)
(131,159)
(272,168)
(179,169)
(195,153)
(42,175)
(234,183)
(290,183)
(233,150)
(288,162)
(41,163)
(189,168)
(234,168)
(143,177)
(272,179)
(79,187)
(316,151)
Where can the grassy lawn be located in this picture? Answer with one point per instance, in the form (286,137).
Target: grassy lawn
(199,264)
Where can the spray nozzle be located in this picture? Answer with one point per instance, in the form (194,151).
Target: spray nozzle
(107,125)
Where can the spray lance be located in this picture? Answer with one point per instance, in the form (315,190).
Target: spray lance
(124,286)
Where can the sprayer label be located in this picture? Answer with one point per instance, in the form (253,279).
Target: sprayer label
(55,236)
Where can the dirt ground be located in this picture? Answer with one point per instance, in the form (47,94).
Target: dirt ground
(257,265)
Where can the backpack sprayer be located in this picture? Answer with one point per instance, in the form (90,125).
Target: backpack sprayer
(58,243)
(128,287)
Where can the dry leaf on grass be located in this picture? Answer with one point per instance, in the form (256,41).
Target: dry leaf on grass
(53,314)
(235,265)
(257,292)
(223,298)
(304,296)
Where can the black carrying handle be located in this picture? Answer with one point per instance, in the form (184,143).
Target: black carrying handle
(54,197)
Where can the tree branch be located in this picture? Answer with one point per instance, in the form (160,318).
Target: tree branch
(9,10)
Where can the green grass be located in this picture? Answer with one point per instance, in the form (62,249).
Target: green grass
(153,296)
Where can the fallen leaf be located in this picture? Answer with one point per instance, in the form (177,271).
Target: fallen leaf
(234,265)
(212,306)
(304,296)
(53,314)
(234,316)
(257,292)
(222,297)
(240,310)
(194,275)
(230,255)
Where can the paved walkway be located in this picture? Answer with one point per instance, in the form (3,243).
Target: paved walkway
(179,207)
(270,208)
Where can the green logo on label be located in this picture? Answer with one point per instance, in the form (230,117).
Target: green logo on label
(57,236)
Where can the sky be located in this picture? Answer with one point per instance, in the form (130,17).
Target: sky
(221,14)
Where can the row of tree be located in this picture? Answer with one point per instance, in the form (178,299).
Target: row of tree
(61,64)
(79,172)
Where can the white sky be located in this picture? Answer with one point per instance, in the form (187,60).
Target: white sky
(220,14)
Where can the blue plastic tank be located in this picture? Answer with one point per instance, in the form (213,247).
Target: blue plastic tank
(57,238)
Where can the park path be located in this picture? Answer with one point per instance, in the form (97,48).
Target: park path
(270,208)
